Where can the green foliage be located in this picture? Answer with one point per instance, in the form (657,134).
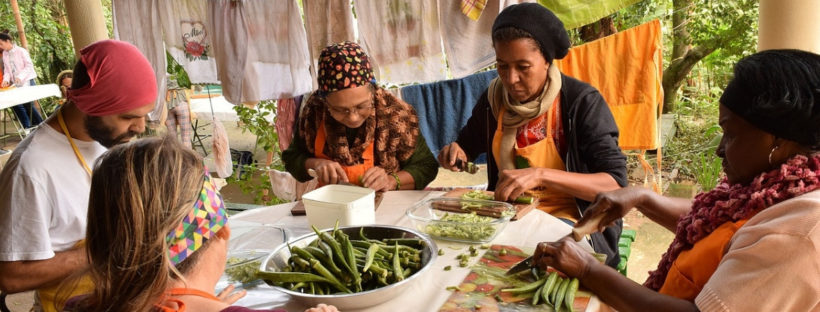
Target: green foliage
(177,72)
(691,153)
(254,121)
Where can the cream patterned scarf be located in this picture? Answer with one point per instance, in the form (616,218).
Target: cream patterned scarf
(517,114)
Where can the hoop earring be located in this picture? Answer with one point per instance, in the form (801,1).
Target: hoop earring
(772,152)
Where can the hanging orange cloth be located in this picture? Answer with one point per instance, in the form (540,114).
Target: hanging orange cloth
(354,172)
(693,268)
(626,68)
(543,154)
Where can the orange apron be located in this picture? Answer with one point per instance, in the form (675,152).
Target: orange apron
(693,267)
(543,154)
(354,172)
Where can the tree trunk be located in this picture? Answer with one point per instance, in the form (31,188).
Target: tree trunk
(675,74)
(681,45)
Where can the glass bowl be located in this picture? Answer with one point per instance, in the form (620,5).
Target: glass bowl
(461,220)
(249,244)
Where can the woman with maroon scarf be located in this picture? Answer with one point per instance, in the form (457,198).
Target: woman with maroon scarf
(353,131)
(752,243)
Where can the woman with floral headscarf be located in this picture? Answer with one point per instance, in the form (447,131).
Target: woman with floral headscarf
(351,130)
(753,242)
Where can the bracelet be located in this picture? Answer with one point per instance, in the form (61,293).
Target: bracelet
(398,181)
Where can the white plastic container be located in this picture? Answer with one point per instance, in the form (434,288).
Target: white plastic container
(351,205)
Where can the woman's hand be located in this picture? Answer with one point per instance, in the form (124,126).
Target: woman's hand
(378,179)
(613,205)
(564,255)
(329,172)
(18,82)
(323,308)
(514,182)
(225,296)
(6,84)
(448,155)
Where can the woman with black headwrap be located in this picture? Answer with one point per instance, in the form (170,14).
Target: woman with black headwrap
(545,134)
(353,131)
(753,242)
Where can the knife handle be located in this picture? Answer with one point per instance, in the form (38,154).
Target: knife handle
(590,227)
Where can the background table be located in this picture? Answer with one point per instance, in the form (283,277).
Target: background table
(427,294)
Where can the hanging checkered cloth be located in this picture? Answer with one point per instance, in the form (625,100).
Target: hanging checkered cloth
(473,8)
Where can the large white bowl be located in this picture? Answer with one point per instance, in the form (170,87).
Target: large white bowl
(279,257)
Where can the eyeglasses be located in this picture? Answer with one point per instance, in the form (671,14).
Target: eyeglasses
(362,109)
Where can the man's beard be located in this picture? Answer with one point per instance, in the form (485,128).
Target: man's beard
(104,135)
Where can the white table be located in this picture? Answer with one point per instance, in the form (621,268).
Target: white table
(429,293)
(16,96)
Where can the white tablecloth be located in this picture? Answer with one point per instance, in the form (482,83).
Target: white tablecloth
(429,293)
(27,94)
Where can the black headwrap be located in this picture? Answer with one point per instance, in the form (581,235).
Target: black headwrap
(539,22)
(778,91)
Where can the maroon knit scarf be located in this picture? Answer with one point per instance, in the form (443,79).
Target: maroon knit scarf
(730,203)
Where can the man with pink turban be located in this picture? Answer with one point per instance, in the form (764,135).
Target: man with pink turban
(44,186)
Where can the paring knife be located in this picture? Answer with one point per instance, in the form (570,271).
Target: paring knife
(577,234)
(312,174)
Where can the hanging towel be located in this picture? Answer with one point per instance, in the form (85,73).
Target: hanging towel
(473,8)
(258,60)
(403,39)
(444,107)
(137,22)
(467,43)
(626,68)
(577,13)
(327,22)
(285,121)
(187,39)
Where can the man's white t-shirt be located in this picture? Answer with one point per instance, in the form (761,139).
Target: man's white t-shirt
(44,193)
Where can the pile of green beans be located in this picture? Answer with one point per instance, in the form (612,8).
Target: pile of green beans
(334,263)
(552,290)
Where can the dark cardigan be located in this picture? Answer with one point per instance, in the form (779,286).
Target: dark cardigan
(592,146)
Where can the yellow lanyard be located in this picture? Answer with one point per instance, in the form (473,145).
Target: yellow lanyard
(71,141)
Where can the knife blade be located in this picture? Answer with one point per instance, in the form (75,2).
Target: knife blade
(577,234)
(524,265)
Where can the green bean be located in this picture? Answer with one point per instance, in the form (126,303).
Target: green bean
(526,288)
(559,297)
(351,258)
(298,286)
(570,294)
(301,252)
(410,242)
(535,296)
(289,277)
(397,271)
(327,261)
(548,286)
(335,247)
(371,254)
(326,274)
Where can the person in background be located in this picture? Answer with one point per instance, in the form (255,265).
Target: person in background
(179,112)
(44,185)
(64,79)
(157,248)
(753,242)
(18,71)
(546,135)
(353,131)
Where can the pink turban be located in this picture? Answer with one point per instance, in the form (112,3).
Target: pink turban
(121,79)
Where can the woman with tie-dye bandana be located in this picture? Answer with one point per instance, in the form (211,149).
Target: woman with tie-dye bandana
(157,234)
(353,131)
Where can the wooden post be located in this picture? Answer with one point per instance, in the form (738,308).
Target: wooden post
(20,31)
(793,24)
(86,22)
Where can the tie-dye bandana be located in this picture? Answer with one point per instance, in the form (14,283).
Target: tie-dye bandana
(206,218)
